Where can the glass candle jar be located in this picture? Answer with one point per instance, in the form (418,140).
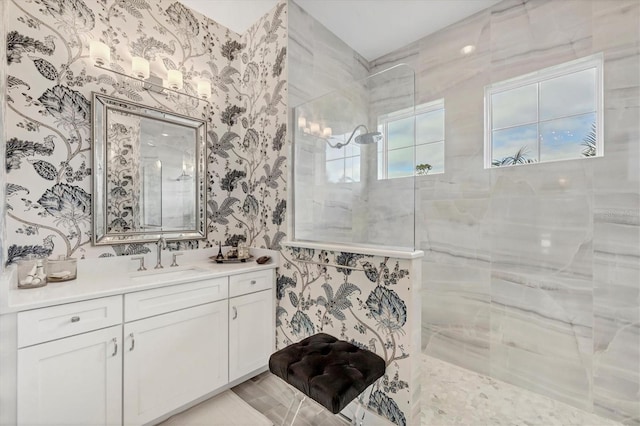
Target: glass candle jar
(31,273)
(62,269)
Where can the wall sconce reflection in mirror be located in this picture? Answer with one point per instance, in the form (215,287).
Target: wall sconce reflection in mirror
(101,55)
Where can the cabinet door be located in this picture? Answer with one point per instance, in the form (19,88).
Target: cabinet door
(251,332)
(173,359)
(72,381)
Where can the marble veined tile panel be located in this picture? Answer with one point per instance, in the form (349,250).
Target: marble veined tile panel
(526,36)
(405,55)
(616,348)
(463,178)
(558,313)
(543,235)
(565,378)
(455,313)
(454,231)
(466,349)
(615,23)
(572,178)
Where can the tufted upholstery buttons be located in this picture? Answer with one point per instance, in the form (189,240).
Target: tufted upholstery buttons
(330,371)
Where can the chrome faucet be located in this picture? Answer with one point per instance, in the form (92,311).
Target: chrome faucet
(162,244)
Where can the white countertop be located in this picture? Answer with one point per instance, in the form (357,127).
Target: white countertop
(115,275)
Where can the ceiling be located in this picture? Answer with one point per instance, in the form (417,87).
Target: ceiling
(371,27)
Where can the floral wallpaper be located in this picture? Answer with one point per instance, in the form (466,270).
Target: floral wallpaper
(363,303)
(247,169)
(50,81)
(123,176)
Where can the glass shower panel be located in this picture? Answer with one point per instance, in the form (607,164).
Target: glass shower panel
(340,194)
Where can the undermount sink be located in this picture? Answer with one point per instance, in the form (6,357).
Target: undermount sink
(162,275)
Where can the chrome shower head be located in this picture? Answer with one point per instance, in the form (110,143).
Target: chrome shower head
(362,139)
(368,138)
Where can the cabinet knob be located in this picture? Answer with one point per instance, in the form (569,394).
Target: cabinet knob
(253,282)
(75,319)
(115,346)
(235,313)
(133,342)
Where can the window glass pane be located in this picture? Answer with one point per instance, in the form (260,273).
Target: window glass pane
(400,162)
(431,154)
(514,107)
(380,166)
(352,169)
(516,145)
(400,133)
(335,171)
(567,137)
(570,94)
(430,127)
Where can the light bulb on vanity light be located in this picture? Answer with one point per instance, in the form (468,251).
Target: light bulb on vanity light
(174,79)
(99,52)
(204,89)
(326,132)
(140,67)
(302,122)
(314,128)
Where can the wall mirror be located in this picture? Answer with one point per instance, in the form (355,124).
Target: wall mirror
(149,171)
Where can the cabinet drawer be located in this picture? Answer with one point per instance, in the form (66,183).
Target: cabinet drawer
(250,282)
(158,301)
(55,322)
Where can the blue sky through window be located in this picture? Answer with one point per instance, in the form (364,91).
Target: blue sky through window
(547,117)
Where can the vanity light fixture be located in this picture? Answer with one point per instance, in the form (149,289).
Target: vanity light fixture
(174,79)
(99,52)
(156,84)
(140,67)
(204,89)
(314,128)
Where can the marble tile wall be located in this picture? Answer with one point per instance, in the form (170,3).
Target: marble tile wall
(532,274)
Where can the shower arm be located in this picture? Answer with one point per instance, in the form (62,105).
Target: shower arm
(340,144)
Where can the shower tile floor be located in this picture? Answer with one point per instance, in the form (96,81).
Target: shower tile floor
(451,395)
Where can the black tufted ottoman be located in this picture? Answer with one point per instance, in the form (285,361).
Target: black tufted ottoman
(330,371)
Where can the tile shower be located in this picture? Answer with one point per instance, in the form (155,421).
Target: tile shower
(559,317)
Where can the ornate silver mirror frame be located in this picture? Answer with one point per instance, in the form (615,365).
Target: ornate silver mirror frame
(149,173)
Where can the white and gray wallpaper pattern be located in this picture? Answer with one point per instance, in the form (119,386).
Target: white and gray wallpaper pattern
(365,306)
(50,80)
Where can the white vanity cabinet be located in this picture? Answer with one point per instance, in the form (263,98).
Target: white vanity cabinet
(251,322)
(138,355)
(175,356)
(76,379)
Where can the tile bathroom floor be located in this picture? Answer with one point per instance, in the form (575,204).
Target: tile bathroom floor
(451,395)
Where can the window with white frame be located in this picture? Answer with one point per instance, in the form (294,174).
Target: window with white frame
(549,115)
(413,142)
